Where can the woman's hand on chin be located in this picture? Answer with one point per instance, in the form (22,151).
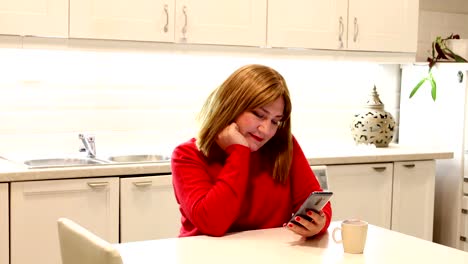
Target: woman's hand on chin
(231,135)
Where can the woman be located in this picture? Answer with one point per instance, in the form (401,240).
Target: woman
(245,170)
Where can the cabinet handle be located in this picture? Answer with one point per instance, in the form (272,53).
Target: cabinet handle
(341,30)
(184,29)
(97,184)
(356,30)
(464,211)
(143,183)
(167,18)
(462,238)
(409,165)
(379,168)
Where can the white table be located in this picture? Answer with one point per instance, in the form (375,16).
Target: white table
(279,245)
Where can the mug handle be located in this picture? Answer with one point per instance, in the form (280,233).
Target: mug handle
(333,235)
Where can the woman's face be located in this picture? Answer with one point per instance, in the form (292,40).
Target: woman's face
(260,125)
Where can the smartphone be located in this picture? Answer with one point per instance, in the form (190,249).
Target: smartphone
(315,202)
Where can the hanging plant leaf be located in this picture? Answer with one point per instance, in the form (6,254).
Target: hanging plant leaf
(416,88)
(454,56)
(440,53)
(459,58)
(434,86)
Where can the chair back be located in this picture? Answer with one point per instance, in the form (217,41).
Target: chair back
(78,245)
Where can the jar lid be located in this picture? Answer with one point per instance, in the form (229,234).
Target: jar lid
(373,101)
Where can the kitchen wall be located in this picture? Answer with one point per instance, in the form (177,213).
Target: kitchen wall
(146,97)
(137,96)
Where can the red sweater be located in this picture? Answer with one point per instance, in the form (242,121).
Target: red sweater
(238,194)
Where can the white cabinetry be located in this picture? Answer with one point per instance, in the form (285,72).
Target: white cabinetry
(370,25)
(464,224)
(307,23)
(36,206)
(125,20)
(397,196)
(464,217)
(383,25)
(4,225)
(228,22)
(421,114)
(362,191)
(148,208)
(37,18)
(413,198)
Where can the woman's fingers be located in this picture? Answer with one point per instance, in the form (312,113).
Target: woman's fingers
(309,227)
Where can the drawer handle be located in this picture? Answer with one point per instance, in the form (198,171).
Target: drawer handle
(409,165)
(464,211)
(97,184)
(465,179)
(379,168)
(143,183)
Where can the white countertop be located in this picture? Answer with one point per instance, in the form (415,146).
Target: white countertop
(279,245)
(348,154)
(317,155)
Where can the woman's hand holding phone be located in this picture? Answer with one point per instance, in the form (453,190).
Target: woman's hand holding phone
(308,228)
(231,135)
(310,219)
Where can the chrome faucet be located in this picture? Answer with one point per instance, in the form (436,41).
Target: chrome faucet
(89,145)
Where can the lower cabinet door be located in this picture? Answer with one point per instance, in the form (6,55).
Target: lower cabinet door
(362,191)
(413,198)
(36,205)
(4,225)
(149,209)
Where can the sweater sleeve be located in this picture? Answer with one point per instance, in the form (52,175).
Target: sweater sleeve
(303,182)
(211,204)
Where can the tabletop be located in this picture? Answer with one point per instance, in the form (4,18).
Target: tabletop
(279,245)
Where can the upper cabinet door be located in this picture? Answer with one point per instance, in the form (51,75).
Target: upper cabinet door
(312,24)
(367,25)
(141,20)
(46,18)
(382,25)
(227,22)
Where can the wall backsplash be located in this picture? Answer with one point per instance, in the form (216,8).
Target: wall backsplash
(148,101)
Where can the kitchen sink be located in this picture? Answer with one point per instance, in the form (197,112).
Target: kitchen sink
(138,158)
(63,162)
(57,162)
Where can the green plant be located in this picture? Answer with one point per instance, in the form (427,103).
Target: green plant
(440,53)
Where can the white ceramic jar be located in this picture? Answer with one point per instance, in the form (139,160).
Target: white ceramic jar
(373,125)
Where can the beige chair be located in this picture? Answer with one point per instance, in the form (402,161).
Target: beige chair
(79,246)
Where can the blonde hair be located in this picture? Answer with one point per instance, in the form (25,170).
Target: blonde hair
(249,87)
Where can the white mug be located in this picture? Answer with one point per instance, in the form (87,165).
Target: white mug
(353,235)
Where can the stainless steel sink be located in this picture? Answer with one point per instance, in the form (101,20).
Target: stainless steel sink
(138,158)
(41,163)
(63,162)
